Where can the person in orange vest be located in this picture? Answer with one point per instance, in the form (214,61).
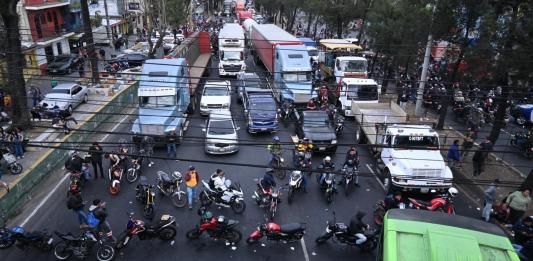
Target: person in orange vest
(191,179)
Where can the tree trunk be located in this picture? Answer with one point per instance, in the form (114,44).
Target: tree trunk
(15,64)
(309,22)
(339,26)
(316,26)
(293,18)
(88,38)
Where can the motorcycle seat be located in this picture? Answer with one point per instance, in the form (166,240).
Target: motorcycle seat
(143,181)
(291,227)
(423,202)
(165,178)
(67,237)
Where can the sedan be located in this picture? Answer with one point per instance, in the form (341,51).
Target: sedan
(64,64)
(65,96)
(221,133)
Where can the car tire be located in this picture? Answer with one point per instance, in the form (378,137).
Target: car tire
(521,120)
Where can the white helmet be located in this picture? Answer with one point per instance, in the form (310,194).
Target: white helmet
(327,158)
(453,192)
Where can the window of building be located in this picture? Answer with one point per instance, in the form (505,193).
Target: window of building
(49,16)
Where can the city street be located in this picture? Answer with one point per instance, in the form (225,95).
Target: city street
(310,208)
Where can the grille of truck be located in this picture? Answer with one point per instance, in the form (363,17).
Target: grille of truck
(263,123)
(153,129)
(427,172)
(232,68)
(221,145)
(214,106)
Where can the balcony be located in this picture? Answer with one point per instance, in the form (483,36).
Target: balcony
(43,37)
(46,5)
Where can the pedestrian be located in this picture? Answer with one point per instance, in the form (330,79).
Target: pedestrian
(468,144)
(22,138)
(35,94)
(53,82)
(75,203)
(191,180)
(490,197)
(126,41)
(81,70)
(518,202)
(523,230)
(403,101)
(148,145)
(16,144)
(2,94)
(171,144)
(96,153)
(454,156)
(102,54)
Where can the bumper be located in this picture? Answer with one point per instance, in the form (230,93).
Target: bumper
(427,189)
(258,129)
(221,72)
(57,72)
(325,148)
(211,149)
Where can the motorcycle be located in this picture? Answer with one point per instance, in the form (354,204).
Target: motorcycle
(295,183)
(135,170)
(521,141)
(277,166)
(23,239)
(231,198)
(82,245)
(216,227)
(115,176)
(287,233)
(446,204)
(165,230)
(342,235)
(268,199)
(77,182)
(350,177)
(285,112)
(145,194)
(13,166)
(339,124)
(170,187)
(328,186)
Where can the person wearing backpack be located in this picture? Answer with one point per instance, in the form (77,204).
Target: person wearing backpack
(75,203)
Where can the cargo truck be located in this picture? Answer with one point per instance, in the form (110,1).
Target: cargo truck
(286,59)
(409,155)
(311,46)
(231,50)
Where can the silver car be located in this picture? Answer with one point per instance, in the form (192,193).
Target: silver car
(221,133)
(66,96)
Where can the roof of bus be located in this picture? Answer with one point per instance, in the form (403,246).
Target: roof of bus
(443,237)
(338,44)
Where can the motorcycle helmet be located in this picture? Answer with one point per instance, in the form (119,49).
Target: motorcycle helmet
(275,138)
(327,158)
(452,192)
(207,215)
(73,153)
(192,168)
(177,175)
(221,219)
(301,155)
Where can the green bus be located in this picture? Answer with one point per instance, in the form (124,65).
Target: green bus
(419,235)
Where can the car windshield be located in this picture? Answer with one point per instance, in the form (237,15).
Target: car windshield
(362,92)
(231,56)
(353,66)
(221,127)
(422,142)
(297,76)
(216,91)
(61,91)
(61,59)
(316,121)
(312,52)
(252,82)
(157,101)
(262,106)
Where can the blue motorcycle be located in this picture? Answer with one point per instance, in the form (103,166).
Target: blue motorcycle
(23,239)
(523,113)
(521,141)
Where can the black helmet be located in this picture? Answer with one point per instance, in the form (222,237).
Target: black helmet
(192,168)
(269,170)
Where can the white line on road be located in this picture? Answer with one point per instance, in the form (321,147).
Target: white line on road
(375,176)
(45,199)
(304,248)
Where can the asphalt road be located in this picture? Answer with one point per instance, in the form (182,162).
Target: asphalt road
(310,208)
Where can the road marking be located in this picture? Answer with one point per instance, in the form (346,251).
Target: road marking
(45,199)
(375,176)
(304,248)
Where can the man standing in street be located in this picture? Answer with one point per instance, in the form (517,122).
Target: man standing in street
(35,95)
(454,157)
(191,179)
(480,156)
(171,139)
(75,203)
(148,145)
(490,197)
(96,153)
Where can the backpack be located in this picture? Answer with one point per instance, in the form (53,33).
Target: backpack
(92,221)
(72,202)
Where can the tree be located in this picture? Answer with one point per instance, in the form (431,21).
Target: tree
(15,64)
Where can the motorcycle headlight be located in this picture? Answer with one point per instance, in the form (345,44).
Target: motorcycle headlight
(333,141)
(328,181)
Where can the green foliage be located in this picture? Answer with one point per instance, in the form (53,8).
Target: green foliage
(176,12)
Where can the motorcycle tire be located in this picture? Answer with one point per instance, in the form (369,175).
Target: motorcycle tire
(123,240)
(323,238)
(6,243)
(132,175)
(114,190)
(61,252)
(204,199)
(347,188)
(167,233)
(271,213)
(179,199)
(15,168)
(105,253)
(251,240)
(148,211)
(290,195)
(329,198)
(193,233)
(369,245)
(43,244)
(233,236)
(238,207)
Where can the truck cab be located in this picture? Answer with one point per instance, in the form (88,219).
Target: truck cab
(292,74)
(216,95)
(231,50)
(163,99)
(316,126)
(339,58)
(350,66)
(358,90)
(260,110)
(312,49)
(412,160)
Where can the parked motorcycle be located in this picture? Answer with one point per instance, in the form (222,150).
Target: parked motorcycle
(287,233)
(268,199)
(165,230)
(445,203)
(23,239)
(145,194)
(135,171)
(81,246)
(115,176)
(170,187)
(295,184)
(13,166)
(216,227)
(520,141)
(350,177)
(341,233)
(231,198)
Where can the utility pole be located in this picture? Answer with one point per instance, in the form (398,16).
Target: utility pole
(108,27)
(424,77)
(88,39)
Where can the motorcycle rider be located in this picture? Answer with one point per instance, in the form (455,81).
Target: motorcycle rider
(357,227)
(311,104)
(275,149)
(268,181)
(74,163)
(328,167)
(394,200)
(352,155)
(114,161)
(303,165)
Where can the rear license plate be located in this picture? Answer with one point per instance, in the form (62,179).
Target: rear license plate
(322,148)
(424,190)
(263,129)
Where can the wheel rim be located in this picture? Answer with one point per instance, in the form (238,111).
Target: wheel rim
(167,234)
(179,200)
(521,120)
(6,243)
(193,234)
(204,200)
(234,236)
(60,251)
(105,253)
(132,176)
(238,206)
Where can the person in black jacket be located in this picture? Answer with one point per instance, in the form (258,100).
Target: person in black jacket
(74,163)
(75,203)
(268,181)
(96,153)
(357,227)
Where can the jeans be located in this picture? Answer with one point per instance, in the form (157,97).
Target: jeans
(100,168)
(17,146)
(485,213)
(82,218)
(191,193)
(171,150)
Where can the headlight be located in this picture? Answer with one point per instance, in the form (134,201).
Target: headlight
(203,106)
(333,141)
(244,67)
(250,121)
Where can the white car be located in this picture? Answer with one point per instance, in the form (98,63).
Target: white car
(215,96)
(221,133)
(66,96)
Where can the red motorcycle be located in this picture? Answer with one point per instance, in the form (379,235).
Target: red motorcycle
(443,204)
(285,233)
(216,227)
